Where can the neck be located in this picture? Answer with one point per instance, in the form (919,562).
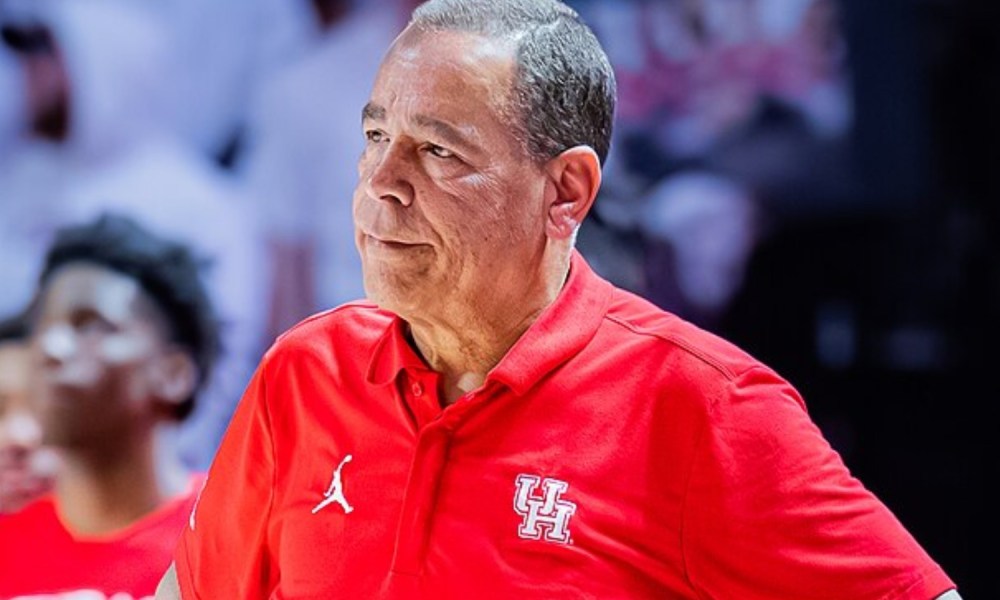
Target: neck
(471,339)
(102,491)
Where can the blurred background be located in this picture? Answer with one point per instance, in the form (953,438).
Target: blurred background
(815,180)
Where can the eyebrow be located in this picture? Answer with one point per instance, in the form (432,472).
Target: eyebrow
(447,132)
(372,111)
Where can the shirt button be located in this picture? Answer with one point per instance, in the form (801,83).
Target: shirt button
(417,389)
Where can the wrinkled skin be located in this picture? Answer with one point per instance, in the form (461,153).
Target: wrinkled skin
(449,209)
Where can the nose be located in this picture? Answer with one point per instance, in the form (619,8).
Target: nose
(57,343)
(387,173)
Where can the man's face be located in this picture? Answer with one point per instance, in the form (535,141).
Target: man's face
(448,211)
(97,337)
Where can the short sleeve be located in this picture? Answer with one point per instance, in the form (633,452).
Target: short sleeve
(772,512)
(223,550)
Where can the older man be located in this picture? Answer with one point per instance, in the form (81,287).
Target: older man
(500,422)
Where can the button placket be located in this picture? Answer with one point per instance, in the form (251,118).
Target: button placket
(419,391)
(430,462)
(426,471)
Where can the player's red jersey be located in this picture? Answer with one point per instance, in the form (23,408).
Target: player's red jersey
(614,452)
(41,558)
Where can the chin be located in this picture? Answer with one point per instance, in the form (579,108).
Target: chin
(392,299)
(396,292)
(388,301)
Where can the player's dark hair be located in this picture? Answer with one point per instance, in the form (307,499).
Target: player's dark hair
(564,93)
(167,271)
(14,329)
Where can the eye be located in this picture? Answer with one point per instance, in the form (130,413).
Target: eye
(88,323)
(440,151)
(375,136)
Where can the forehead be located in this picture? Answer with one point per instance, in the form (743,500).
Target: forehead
(463,77)
(79,286)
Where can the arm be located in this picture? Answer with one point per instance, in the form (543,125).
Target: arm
(168,589)
(795,518)
(222,552)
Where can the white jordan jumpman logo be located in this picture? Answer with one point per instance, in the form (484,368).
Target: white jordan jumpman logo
(336,491)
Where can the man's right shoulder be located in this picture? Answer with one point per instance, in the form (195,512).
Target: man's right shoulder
(355,325)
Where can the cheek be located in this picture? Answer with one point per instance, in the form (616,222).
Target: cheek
(473,206)
(497,213)
(360,199)
(368,161)
(356,203)
(118,351)
(123,361)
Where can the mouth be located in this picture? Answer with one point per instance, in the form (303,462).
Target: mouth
(60,386)
(390,244)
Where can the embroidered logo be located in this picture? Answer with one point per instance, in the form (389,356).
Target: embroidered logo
(197,500)
(546,517)
(83,595)
(336,491)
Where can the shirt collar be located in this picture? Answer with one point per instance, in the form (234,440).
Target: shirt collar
(393,354)
(559,333)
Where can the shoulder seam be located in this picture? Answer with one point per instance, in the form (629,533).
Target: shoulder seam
(680,343)
(357,304)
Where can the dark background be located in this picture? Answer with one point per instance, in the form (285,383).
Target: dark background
(886,318)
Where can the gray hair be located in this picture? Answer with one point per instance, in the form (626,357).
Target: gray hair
(564,91)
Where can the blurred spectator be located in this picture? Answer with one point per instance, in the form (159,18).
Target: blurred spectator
(805,62)
(793,147)
(303,142)
(25,469)
(675,60)
(217,52)
(13,106)
(221,50)
(733,115)
(701,230)
(123,337)
(99,87)
(684,244)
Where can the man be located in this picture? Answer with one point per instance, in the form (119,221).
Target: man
(123,335)
(25,468)
(501,423)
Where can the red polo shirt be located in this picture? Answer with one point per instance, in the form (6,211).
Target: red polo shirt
(40,557)
(615,452)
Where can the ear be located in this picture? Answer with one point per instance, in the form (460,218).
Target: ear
(575,177)
(174,378)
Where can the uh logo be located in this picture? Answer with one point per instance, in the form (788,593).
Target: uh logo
(546,514)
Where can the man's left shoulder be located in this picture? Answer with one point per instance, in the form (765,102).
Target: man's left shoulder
(674,339)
